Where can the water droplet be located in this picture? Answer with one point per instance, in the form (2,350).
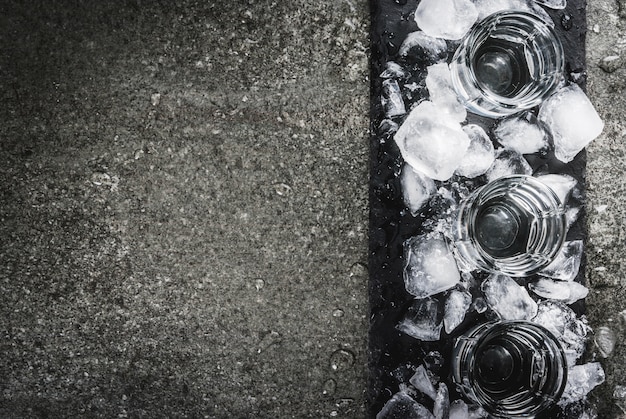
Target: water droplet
(329,387)
(341,359)
(268,339)
(605,340)
(282,189)
(566,21)
(358,270)
(259,284)
(338,313)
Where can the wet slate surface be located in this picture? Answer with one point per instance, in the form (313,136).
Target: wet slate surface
(390,225)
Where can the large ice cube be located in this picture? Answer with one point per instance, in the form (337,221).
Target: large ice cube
(420,44)
(521,133)
(431,142)
(507,298)
(572,119)
(567,262)
(457,305)
(430,267)
(442,93)
(391,99)
(402,406)
(487,7)
(447,19)
(568,292)
(421,381)
(422,320)
(480,153)
(562,185)
(570,330)
(508,162)
(417,188)
(581,379)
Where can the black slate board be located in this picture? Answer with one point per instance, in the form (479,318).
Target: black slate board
(390,351)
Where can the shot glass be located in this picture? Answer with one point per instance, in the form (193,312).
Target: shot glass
(510,61)
(514,225)
(511,368)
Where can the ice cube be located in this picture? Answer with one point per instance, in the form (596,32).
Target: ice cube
(441,410)
(442,93)
(553,4)
(456,307)
(572,120)
(566,264)
(422,320)
(562,185)
(421,381)
(508,162)
(391,99)
(431,142)
(430,266)
(459,410)
(521,133)
(571,215)
(605,340)
(419,44)
(447,19)
(480,153)
(402,406)
(507,298)
(581,379)
(487,7)
(568,292)
(417,188)
(392,70)
(570,330)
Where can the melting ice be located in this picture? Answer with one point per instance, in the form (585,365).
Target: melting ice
(521,133)
(402,406)
(417,188)
(508,162)
(487,7)
(480,153)
(572,119)
(431,142)
(422,320)
(568,292)
(507,298)
(421,381)
(447,19)
(420,44)
(457,305)
(562,185)
(581,379)
(442,402)
(430,266)
(566,264)
(442,93)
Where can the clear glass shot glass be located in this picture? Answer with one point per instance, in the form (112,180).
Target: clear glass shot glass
(511,368)
(514,225)
(510,61)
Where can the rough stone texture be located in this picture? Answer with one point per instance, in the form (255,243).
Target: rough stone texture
(183,208)
(606,176)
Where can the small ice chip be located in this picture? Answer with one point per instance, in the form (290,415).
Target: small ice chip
(430,266)
(392,70)
(442,93)
(521,133)
(421,381)
(419,44)
(562,185)
(488,7)
(507,298)
(402,406)
(605,340)
(447,19)
(553,4)
(431,142)
(480,153)
(417,189)
(570,330)
(566,264)
(508,162)
(457,305)
(392,99)
(572,119)
(581,379)
(441,409)
(568,292)
(459,410)
(422,320)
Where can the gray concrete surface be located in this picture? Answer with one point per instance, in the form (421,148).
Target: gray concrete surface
(183,207)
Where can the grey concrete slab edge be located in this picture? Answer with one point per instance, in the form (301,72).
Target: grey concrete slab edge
(183,207)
